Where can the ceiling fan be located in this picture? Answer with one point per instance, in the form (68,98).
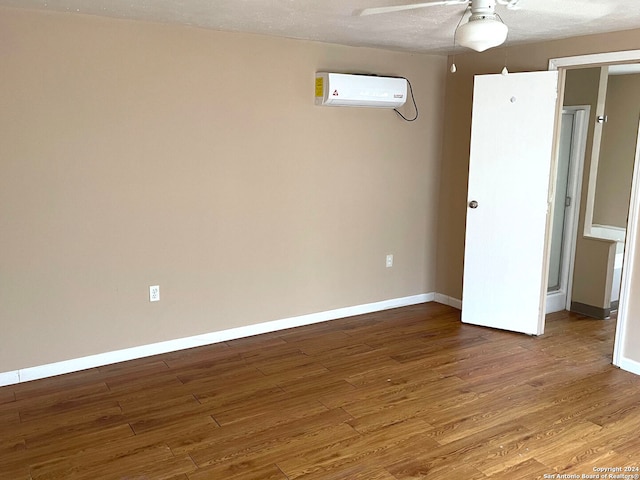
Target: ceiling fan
(484,29)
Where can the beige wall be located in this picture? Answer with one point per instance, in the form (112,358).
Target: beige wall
(136,154)
(617,151)
(457,135)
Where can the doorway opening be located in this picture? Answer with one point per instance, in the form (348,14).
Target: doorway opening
(563,65)
(571,154)
(596,247)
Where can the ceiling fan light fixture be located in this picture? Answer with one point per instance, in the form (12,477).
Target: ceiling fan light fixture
(482,32)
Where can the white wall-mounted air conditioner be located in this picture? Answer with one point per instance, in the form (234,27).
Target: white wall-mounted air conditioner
(344,90)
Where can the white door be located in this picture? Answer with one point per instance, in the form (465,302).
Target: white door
(508,201)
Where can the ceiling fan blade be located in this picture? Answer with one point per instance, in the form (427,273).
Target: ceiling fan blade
(413,6)
(566,7)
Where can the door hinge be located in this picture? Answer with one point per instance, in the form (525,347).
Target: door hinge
(567,201)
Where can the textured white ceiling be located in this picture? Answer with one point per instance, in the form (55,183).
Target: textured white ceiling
(336,21)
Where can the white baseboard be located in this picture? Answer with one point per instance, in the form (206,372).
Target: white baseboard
(9,378)
(92,361)
(556,302)
(630,365)
(446,300)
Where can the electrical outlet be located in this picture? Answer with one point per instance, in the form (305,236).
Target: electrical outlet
(154,293)
(389,261)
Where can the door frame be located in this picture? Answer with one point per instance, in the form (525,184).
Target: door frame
(593,60)
(581,115)
(630,250)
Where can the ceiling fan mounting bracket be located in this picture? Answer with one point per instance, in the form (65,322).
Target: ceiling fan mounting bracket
(483,7)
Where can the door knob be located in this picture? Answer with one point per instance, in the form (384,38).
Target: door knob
(473,204)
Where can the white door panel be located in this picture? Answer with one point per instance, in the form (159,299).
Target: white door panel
(510,163)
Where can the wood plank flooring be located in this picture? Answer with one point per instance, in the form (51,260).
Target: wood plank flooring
(409,393)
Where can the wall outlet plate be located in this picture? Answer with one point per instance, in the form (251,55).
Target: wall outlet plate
(389,261)
(154,293)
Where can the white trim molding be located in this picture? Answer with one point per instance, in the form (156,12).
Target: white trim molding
(9,378)
(447,300)
(556,301)
(92,361)
(630,365)
(594,59)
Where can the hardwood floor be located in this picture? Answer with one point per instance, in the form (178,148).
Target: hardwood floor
(404,394)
